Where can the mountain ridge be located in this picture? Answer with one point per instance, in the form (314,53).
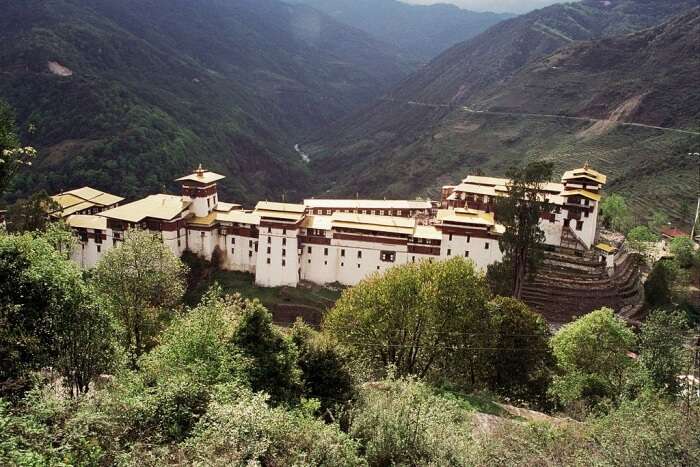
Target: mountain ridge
(422,31)
(397,148)
(154,88)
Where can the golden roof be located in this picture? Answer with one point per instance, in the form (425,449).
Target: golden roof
(83,198)
(226,207)
(400,225)
(317,222)
(584,193)
(284,211)
(201,176)
(203,221)
(466,216)
(427,231)
(366,204)
(606,248)
(585,172)
(239,217)
(164,207)
(87,222)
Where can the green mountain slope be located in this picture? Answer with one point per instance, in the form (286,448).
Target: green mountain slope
(126,95)
(421,31)
(420,136)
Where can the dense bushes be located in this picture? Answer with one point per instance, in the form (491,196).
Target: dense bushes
(222,385)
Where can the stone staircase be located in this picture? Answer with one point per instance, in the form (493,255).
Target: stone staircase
(569,285)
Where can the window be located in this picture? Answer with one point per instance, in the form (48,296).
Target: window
(466,254)
(208,203)
(284,262)
(269,240)
(284,231)
(359,254)
(98,237)
(268,250)
(202,234)
(358,266)
(449,252)
(284,252)
(486,245)
(99,248)
(309,261)
(256,247)
(390,212)
(469,238)
(250,254)
(308,250)
(579,225)
(381,213)
(284,241)
(398,213)
(585,214)
(268,260)
(342,264)
(233,250)
(325,263)
(233,240)
(342,253)
(250,244)
(325,252)
(388,256)
(377,268)
(269,230)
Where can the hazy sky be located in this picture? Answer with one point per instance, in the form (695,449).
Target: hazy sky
(499,6)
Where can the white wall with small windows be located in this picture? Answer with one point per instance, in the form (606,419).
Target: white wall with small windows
(239,253)
(91,245)
(482,251)
(277,262)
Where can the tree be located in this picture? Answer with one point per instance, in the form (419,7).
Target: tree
(273,357)
(661,349)
(520,212)
(522,359)
(658,221)
(140,281)
(499,276)
(642,240)
(48,317)
(658,291)
(592,358)
(418,318)
(683,250)
(31,215)
(324,369)
(615,213)
(12,156)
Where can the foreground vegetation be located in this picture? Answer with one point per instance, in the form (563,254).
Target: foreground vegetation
(93,375)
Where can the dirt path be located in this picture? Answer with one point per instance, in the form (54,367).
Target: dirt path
(606,122)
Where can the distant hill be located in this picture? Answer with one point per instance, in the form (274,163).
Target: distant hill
(125,95)
(572,59)
(421,31)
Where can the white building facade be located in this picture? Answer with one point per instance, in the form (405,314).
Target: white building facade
(336,241)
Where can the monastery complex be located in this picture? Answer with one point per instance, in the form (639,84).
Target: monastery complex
(329,240)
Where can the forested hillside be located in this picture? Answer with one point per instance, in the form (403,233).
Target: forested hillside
(420,31)
(127,95)
(425,132)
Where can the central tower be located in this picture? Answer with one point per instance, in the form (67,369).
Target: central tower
(200,189)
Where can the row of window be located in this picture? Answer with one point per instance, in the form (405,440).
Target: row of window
(374,212)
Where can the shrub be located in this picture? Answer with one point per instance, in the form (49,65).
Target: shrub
(240,428)
(592,358)
(402,422)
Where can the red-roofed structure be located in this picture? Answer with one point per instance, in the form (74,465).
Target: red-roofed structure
(672,232)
